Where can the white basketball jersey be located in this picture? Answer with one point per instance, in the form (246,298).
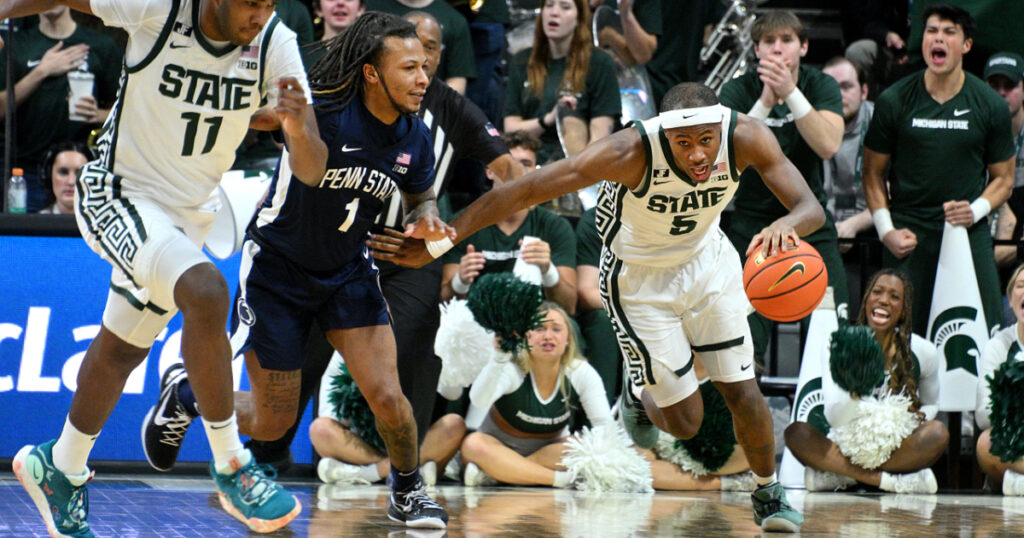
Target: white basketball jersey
(668,217)
(184,108)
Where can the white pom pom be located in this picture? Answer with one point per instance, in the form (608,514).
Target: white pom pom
(877,429)
(666,449)
(463,345)
(602,459)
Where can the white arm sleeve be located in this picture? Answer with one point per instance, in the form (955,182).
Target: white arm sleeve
(494,381)
(131,14)
(284,60)
(840,406)
(991,357)
(587,383)
(928,385)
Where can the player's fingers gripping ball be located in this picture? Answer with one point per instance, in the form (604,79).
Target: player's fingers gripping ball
(787,286)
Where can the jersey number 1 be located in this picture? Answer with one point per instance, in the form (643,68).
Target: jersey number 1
(350,214)
(192,128)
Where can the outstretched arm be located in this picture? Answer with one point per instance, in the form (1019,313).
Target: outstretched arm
(24,8)
(421,217)
(619,157)
(756,146)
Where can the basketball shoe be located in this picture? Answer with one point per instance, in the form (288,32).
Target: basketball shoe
(166,423)
(63,504)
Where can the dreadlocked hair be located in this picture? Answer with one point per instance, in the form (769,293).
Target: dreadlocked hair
(338,76)
(896,343)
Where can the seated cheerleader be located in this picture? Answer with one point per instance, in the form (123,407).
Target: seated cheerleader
(998,411)
(711,460)
(530,400)
(881,392)
(352,451)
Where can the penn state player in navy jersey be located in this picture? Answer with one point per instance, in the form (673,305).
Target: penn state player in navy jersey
(305,257)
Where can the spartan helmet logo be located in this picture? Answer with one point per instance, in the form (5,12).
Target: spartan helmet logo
(949,333)
(810,406)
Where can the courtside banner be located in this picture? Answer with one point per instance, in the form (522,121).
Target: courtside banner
(956,323)
(809,405)
(54,290)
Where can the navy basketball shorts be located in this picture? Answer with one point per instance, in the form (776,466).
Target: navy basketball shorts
(277,301)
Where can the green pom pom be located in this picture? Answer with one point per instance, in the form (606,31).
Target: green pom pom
(349,403)
(857,363)
(715,440)
(507,306)
(1007,418)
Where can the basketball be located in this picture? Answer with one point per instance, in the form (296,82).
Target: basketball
(787,286)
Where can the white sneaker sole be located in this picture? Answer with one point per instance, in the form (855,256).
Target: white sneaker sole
(34,491)
(424,523)
(778,524)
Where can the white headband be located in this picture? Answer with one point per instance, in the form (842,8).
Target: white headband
(687,117)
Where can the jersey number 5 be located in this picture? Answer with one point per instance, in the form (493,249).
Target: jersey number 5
(192,120)
(682,225)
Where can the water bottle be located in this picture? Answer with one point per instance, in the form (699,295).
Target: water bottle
(17,192)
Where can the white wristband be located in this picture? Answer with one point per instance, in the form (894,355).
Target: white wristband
(551,277)
(437,248)
(458,286)
(883,222)
(759,111)
(981,208)
(798,104)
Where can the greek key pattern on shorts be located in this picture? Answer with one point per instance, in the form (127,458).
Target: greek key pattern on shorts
(111,220)
(634,353)
(606,214)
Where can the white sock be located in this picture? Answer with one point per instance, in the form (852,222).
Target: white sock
(225,444)
(888,482)
(762,481)
(561,479)
(71,451)
(369,472)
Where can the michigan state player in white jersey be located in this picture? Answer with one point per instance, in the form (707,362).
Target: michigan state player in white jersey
(195,72)
(670,280)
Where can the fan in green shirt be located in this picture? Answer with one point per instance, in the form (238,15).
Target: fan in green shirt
(496,248)
(804,109)
(562,70)
(940,131)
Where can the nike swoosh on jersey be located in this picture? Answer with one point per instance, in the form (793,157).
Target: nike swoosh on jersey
(347,149)
(663,181)
(178,46)
(959,113)
(797,267)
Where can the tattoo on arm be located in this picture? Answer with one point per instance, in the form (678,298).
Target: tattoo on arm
(418,205)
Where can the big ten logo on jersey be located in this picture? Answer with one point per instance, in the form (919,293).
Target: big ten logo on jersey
(378,184)
(248,59)
(205,89)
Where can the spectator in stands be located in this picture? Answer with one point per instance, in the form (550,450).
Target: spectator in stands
(351,456)
(59,171)
(842,174)
(562,69)
(911,369)
(43,58)
(602,348)
(337,15)
(495,248)
(1005,346)
(803,107)
(677,57)
(1003,72)
(641,29)
(939,130)
(457,65)
(487,30)
(875,33)
(530,400)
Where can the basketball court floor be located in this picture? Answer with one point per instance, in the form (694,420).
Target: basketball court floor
(147,505)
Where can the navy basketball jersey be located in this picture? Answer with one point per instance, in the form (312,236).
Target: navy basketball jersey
(324,227)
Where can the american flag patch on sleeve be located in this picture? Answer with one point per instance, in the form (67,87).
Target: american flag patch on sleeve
(404,158)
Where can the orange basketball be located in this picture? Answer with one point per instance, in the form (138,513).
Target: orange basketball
(787,286)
